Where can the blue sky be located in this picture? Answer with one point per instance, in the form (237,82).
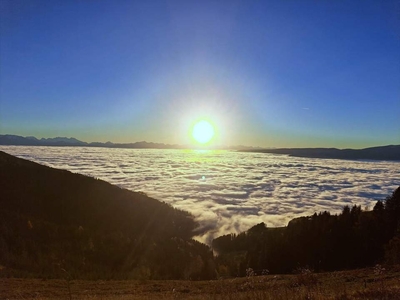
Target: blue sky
(267,73)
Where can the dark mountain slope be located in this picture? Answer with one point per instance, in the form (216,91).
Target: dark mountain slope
(52,218)
(322,242)
(391,152)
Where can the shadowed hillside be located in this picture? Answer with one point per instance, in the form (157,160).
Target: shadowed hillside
(322,242)
(53,221)
(391,152)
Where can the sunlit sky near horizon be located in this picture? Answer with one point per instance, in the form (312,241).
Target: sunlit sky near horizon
(266,73)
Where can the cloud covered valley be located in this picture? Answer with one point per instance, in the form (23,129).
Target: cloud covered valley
(228,192)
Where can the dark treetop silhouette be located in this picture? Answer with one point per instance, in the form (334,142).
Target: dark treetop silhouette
(323,242)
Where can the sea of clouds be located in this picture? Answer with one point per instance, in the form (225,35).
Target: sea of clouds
(228,192)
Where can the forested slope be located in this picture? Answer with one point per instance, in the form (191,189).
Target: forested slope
(322,242)
(52,220)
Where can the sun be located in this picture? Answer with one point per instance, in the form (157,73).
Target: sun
(203,132)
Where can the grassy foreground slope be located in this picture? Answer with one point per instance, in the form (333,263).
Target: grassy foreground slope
(371,283)
(54,222)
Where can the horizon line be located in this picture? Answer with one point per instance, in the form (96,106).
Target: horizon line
(181,146)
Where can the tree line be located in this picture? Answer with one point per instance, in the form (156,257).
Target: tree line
(322,242)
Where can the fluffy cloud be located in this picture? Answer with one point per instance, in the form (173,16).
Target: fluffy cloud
(228,192)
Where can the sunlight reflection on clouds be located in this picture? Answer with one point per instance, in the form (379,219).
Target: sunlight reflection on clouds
(229,191)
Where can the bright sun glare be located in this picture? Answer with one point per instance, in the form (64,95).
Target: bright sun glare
(203,132)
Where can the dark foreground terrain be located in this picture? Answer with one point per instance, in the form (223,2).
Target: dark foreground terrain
(54,222)
(371,283)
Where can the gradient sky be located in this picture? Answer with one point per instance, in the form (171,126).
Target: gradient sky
(267,73)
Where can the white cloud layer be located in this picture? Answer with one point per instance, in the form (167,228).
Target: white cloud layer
(228,192)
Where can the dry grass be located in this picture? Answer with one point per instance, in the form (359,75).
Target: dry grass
(356,284)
